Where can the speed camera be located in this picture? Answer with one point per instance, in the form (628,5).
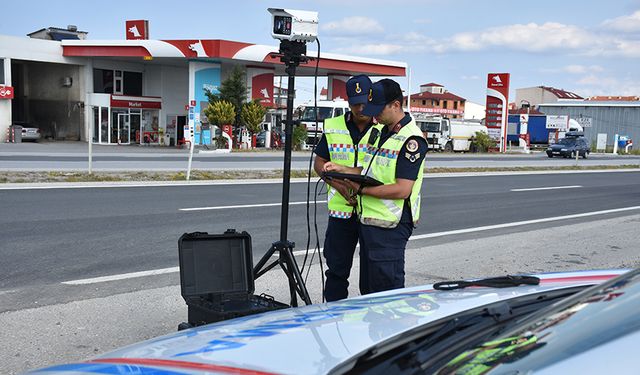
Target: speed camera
(294,25)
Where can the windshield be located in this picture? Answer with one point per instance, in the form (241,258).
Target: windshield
(567,141)
(608,312)
(430,126)
(323,113)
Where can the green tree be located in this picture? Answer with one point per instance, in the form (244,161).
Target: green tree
(252,116)
(483,142)
(233,90)
(220,113)
(299,136)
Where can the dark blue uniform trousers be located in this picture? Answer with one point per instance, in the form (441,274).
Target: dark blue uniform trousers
(382,257)
(339,246)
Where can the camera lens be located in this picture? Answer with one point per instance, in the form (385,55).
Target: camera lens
(282,25)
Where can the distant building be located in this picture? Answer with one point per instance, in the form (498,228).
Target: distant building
(608,117)
(56,33)
(614,98)
(434,98)
(544,94)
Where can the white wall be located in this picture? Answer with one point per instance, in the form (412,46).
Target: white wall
(474,111)
(174,92)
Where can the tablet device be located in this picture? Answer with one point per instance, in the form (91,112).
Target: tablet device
(358,178)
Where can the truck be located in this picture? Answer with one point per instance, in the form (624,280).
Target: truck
(326,109)
(444,134)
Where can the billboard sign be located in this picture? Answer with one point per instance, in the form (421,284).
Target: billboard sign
(558,122)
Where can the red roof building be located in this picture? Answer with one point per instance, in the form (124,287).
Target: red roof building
(434,98)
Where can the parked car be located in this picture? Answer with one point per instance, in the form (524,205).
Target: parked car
(261,139)
(568,147)
(29,132)
(556,323)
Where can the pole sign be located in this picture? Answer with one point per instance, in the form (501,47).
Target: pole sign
(558,122)
(497,107)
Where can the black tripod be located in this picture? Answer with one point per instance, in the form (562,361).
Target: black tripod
(291,54)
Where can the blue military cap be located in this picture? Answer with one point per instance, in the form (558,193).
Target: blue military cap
(383,92)
(358,89)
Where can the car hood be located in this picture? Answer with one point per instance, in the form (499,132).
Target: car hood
(558,146)
(311,339)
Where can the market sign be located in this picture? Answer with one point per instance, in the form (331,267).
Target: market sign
(121,101)
(6,92)
(558,122)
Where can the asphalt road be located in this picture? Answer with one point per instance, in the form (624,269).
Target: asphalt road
(50,236)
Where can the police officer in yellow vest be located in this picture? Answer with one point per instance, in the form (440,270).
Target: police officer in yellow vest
(388,213)
(340,144)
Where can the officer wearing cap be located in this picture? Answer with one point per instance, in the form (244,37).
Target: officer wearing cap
(388,213)
(340,144)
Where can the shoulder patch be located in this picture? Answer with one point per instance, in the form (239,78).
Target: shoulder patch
(412,157)
(412,145)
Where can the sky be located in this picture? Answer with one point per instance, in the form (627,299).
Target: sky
(587,47)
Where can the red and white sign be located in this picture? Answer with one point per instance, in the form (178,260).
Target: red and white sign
(497,107)
(437,110)
(120,101)
(137,29)
(192,103)
(6,92)
(262,88)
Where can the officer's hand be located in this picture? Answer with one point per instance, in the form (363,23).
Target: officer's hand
(330,166)
(352,185)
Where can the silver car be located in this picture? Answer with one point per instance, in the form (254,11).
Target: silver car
(29,132)
(558,323)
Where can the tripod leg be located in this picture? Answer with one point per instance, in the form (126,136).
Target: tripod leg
(295,277)
(258,268)
(292,284)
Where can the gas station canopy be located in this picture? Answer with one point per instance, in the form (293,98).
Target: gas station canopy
(230,52)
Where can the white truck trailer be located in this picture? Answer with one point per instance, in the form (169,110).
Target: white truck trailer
(448,135)
(326,109)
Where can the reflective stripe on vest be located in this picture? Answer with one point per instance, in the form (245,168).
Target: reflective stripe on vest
(341,152)
(380,163)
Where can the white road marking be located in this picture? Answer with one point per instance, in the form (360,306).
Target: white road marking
(245,206)
(520,223)
(549,188)
(122,276)
(413,238)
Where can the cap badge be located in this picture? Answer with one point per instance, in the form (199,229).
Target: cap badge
(358,89)
(370,94)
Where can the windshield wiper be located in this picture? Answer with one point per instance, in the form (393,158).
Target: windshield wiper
(493,282)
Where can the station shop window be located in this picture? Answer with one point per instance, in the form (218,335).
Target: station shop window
(1,71)
(106,81)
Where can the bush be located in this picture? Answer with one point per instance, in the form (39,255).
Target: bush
(299,136)
(482,142)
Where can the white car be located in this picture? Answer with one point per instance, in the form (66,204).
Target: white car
(557,323)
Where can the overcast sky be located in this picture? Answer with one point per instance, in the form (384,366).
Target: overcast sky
(585,46)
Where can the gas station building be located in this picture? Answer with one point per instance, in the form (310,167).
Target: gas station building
(139,90)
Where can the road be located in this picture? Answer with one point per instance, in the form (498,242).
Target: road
(51,236)
(473,226)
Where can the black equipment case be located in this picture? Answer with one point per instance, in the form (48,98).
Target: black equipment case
(216,278)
